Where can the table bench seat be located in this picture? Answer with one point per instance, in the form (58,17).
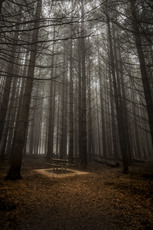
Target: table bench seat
(58,166)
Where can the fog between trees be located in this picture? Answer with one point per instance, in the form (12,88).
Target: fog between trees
(76,80)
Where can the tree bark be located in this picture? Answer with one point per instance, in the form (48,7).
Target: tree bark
(71,105)
(118,109)
(18,142)
(84,131)
(7,88)
(144,75)
(102,111)
(51,109)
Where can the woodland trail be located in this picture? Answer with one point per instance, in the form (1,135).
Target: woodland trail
(102,199)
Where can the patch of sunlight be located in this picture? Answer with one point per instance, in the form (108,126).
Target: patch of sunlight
(59,174)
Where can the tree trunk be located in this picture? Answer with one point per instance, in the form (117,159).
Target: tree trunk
(7,89)
(18,142)
(123,101)
(118,109)
(51,111)
(102,110)
(90,130)
(63,141)
(80,99)
(71,104)
(144,75)
(113,121)
(84,132)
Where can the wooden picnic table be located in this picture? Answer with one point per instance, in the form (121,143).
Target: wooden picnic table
(59,164)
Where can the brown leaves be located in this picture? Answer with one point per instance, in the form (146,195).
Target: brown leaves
(101,199)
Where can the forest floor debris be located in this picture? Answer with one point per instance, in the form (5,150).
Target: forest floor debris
(101,199)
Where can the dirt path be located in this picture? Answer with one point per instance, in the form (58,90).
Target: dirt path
(102,199)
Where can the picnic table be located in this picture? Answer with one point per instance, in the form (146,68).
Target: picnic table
(59,164)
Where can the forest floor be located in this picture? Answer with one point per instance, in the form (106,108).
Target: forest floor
(102,198)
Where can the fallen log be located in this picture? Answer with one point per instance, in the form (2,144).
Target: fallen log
(109,163)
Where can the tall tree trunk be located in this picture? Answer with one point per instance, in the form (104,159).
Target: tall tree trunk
(79,99)
(118,109)
(135,123)
(84,132)
(63,141)
(7,88)
(113,123)
(98,130)
(12,117)
(51,98)
(90,130)
(18,142)
(57,129)
(122,94)
(71,103)
(144,75)
(102,110)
